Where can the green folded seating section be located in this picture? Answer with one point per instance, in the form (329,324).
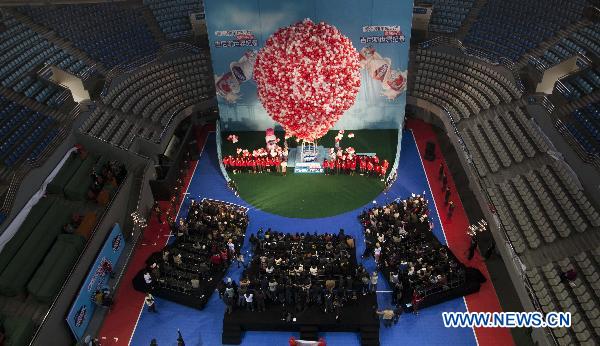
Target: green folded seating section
(77,187)
(17,273)
(49,276)
(19,331)
(61,179)
(32,219)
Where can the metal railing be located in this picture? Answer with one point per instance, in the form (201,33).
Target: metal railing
(548,104)
(11,193)
(146,60)
(593,159)
(167,126)
(541,66)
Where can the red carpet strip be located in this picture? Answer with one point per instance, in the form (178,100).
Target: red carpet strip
(119,324)
(455,229)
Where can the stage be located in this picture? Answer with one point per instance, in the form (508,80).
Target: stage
(196,299)
(357,317)
(312,195)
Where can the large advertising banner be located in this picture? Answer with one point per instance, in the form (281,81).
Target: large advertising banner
(83,307)
(379,30)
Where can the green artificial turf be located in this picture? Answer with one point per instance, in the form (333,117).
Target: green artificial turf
(312,195)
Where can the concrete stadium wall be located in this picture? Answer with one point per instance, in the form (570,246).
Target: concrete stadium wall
(34,179)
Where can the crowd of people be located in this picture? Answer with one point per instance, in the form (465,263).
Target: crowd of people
(207,241)
(339,161)
(398,235)
(346,161)
(257,161)
(71,226)
(111,172)
(297,271)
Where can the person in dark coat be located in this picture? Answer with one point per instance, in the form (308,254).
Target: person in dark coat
(180,341)
(259,297)
(472,247)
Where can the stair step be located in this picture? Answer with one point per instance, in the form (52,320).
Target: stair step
(153,25)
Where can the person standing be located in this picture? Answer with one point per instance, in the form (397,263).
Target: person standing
(158,213)
(416,301)
(180,341)
(148,280)
(240,260)
(377,253)
(450,209)
(447,196)
(283,167)
(150,303)
(374,279)
(337,308)
(388,317)
(368,244)
(259,296)
(249,299)
(228,301)
(472,247)
(365,283)
(441,171)
(444,181)
(568,276)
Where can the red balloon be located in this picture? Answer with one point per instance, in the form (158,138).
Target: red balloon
(307,76)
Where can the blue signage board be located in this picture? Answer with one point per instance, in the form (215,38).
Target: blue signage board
(83,306)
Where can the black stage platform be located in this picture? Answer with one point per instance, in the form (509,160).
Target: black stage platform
(358,317)
(180,293)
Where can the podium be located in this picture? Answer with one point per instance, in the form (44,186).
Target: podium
(307,158)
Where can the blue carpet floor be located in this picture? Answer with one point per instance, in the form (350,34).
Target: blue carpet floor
(204,327)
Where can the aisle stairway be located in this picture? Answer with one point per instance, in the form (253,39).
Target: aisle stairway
(153,25)
(471,18)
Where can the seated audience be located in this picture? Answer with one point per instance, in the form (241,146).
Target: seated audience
(297,271)
(112,173)
(208,236)
(415,263)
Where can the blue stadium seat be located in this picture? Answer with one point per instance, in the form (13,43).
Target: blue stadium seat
(173,15)
(110,33)
(510,28)
(21,131)
(23,53)
(448,15)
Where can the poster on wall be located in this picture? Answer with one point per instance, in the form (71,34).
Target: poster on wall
(363,46)
(83,306)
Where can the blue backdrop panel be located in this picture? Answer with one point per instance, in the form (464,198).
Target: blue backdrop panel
(236,27)
(83,307)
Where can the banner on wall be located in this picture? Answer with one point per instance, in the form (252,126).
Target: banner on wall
(379,31)
(83,306)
